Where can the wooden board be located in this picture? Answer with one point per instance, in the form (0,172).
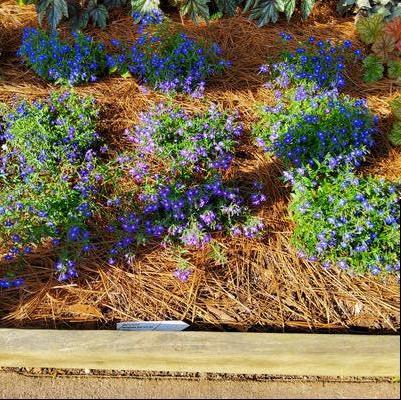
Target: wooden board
(240,353)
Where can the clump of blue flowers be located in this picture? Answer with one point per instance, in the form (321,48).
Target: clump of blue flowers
(48,179)
(347,221)
(305,126)
(186,144)
(145,19)
(315,61)
(168,61)
(176,162)
(187,214)
(55,60)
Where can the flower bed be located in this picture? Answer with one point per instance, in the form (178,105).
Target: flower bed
(170,209)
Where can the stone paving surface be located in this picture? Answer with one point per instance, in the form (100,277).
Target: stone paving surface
(17,386)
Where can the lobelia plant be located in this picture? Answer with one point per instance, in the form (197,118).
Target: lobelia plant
(317,61)
(187,144)
(48,179)
(62,62)
(305,127)
(176,164)
(346,221)
(185,213)
(168,61)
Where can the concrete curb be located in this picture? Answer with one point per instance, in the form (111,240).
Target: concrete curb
(204,352)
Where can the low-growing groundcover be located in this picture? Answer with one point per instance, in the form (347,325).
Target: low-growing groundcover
(160,58)
(57,185)
(246,283)
(47,178)
(59,61)
(347,221)
(321,136)
(305,127)
(318,62)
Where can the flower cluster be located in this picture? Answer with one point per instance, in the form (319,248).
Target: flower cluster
(185,213)
(186,144)
(347,221)
(176,162)
(59,61)
(48,178)
(317,61)
(170,62)
(305,127)
(153,17)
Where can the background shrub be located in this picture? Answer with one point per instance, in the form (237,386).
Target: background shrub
(96,11)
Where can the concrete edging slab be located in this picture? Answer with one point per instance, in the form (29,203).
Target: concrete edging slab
(210,352)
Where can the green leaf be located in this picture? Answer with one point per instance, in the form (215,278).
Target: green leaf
(114,3)
(396,12)
(126,74)
(144,6)
(227,7)
(396,108)
(112,70)
(370,28)
(363,4)
(196,9)
(25,2)
(373,68)
(266,11)
(249,4)
(395,134)
(54,10)
(99,16)
(344,6)
(78,20)
(289,8)
(394,69)
(306,8)
(57,10)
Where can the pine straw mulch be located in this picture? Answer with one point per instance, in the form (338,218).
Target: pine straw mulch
(260,284)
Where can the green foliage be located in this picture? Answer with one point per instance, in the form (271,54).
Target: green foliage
(45,185)
(395,134)
(384,47)
(266,11)
(195,9)
(370,28)
(227,7)
(394,69)
(396,108)
(217,253)
(346,221)
(373,69)
(53,10)
(79,13)
(386,8)
(144,6)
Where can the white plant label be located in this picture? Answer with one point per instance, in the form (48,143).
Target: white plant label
(172,326)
